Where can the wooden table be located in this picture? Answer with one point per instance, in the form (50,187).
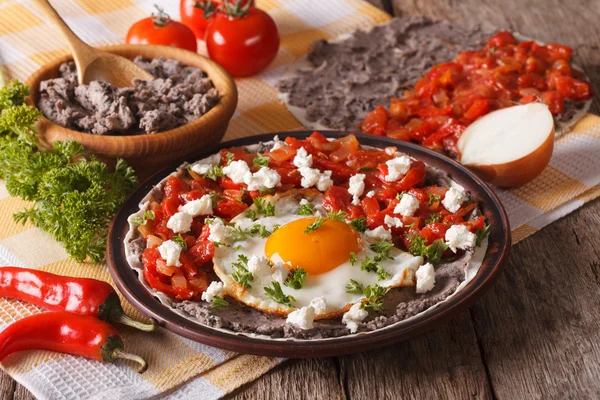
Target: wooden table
(536,333)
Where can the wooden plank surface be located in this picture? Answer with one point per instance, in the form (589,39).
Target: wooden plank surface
(536,333)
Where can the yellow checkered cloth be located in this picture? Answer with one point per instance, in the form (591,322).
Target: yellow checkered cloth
(180,368)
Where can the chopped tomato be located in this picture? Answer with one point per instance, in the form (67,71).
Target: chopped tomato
(336,198)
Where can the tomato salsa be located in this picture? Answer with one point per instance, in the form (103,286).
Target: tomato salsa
(421,233)
(454,94)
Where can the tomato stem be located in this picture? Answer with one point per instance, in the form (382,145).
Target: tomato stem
(207,6)
(237,10)
(161,18)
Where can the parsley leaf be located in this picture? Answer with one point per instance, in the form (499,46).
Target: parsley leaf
(482,234)
(306,209)
(266,190)
(432,253)
(240,271)
(402,193)
(295,278)
(382,247)
(337,216)
(251,214)
(264,207)
(354,287)
(319,221)
(148,216)
(372,265)
(374,298)
(219,302)
(214,173)
(276,293)
(360,224)
(353,258)
(229,157)
(261,160)
(433,198)
(180,241)
(434,217)
(239,234)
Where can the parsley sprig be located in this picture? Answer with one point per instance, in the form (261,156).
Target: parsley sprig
(306,209)
(74,196)
(261,160)
(354,287)
(295,278)
(372,264)
(264,207)
(433,198)
(276,293)
(214,173)
(374,298)
(360,224)
(219,302)
(482,234)
(432,253)
(180,241)
(148,216)
(319,222)
(337,216)
(240,271)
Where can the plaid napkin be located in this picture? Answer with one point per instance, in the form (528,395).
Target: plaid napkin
(180,368)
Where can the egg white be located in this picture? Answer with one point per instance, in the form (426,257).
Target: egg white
(330,285)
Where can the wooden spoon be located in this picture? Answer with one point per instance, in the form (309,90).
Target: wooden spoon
(93,64)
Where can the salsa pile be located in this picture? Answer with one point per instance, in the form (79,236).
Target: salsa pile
(422,233)
(454,94)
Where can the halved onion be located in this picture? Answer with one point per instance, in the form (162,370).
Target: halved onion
(511,146)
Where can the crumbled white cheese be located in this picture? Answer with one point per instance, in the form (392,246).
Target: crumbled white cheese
(313,177)
(280,272)
(263,178)
(219,232)
(201,206)
(407,206)
(379,233)
(459,237)
(371,193)
(259,266)
(393,222)
(237,171)
(302,318)
(397,167)
(454,198)
(180,222)
(356,187)
(277,143)
(170,252)
(201,168)
(213,290)
(425,278)
(390,151)
(354,316)
(319,304)
(302,158)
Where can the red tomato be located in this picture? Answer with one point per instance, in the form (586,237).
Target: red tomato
(160,29)
(192,14)
(244,45)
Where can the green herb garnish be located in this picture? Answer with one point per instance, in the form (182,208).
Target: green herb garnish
(482,234)
(239,234)
(219,302)
(240,271)
(382,248)
(360,224)
(402,193)
(265,190)
(264,207)
(74,196)
(374,298)
(353,258)
(337,216)
(261,160)
(214,173)
(276,293)
(251,214)
(306,209)
(295,278)
(229,157)
(319,221)
(354,287)
(372,265)
(180,241)
(148,216)
(434,217)
(432,253)
(433,198)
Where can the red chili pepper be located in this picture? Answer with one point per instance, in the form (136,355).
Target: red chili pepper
(66,333)
(62,293)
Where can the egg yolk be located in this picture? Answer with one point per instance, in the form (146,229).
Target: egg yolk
(318,251)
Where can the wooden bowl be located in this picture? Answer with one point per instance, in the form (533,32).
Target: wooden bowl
(147,152)
(497,253)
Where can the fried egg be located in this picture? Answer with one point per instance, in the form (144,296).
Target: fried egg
(331,255)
